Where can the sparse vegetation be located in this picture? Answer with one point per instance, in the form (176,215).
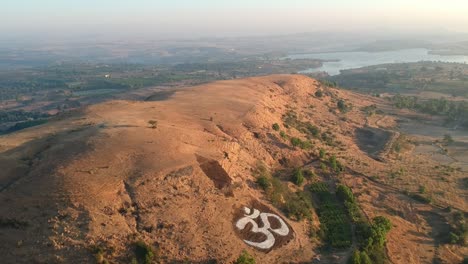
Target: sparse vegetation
(290,119)
(295,205)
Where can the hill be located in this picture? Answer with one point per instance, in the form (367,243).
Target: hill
(173,179)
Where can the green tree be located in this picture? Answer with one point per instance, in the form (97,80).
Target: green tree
(365,259)
(344,193)
(355,258)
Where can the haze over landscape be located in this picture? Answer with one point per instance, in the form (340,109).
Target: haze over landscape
(234,131)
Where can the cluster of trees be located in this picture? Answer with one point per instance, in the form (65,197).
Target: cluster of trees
(455,111)
(371,236)
(334,223)
(20,115)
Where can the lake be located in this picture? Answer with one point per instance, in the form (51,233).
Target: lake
(352,60)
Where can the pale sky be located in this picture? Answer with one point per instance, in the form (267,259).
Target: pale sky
(188,18)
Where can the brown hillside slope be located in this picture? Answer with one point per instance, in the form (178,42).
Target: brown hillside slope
(104,177)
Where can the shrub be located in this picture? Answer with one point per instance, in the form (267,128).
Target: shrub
(298,177)
(421,198)
(296,141)
(448,139)
(144,253)
(319,93)
(360,257)
(264,182)
(365,258)
(309,174)
(323,167)
(283,135)
(355,258)
(343,107)
(322,153)
(344,193)
(276,127)
(153,124)
(334,164)
(245,258)
(422,189)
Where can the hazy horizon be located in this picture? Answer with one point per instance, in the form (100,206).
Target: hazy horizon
(208,18)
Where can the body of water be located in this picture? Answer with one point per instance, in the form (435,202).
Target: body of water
(351,60)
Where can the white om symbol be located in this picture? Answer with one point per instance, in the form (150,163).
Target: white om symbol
(266,229)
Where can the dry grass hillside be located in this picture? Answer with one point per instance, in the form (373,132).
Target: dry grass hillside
(174,174)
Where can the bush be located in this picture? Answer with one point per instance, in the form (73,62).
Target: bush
(245,258)
(334,164)
(153,124)
(297,142)
(319,93)
(309,174)
(344,193)
(276,127)
(144,253)
(283,135)
(322,153)
(421,198)
(422,189)
(365,258)
(355,258)
(448,139)
(264,182)
(298,177)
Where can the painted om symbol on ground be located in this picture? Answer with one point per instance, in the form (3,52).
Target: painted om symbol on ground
(266,229)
